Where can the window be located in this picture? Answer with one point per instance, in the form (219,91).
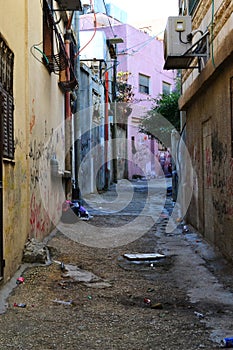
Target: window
(166,88)
(144,82)
(6,99)
(192,5)
(133,145)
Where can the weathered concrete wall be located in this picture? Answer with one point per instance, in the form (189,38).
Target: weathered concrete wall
(209,143)
(46,134)
(207,100)
(16,173)
(32,198)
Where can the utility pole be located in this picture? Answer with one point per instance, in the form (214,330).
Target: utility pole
(114,41)
(114,134)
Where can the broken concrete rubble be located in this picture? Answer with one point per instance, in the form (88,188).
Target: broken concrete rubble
(79,275)
(36,252)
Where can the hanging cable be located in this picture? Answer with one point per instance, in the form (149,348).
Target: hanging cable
(95,26)
(41,52)
(108,18)
(212,34)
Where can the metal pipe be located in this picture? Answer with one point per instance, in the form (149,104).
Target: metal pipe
(106,136)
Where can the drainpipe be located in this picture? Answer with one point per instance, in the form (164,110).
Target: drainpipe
(106,136)
(114,122)
(77,129)
(68,114)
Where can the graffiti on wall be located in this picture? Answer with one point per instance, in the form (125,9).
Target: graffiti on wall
(222,178)
(208,167)
(45,193)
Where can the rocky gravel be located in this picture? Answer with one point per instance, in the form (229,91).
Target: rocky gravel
(99,317)
(122,304)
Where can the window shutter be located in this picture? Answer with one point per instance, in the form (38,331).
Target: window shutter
(7,113)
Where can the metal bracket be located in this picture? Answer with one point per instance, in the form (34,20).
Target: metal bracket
(199,49)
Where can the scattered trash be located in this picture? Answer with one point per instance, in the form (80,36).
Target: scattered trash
(147,301)
(89,297)
(20,280)
(70,302)
(227,343)
(62,266)
(198,314)
(150,290)
(185,229)
(76,208)
(144,256)
(169,190)
(79,275)
(157,306)
(178,219)
(98,285)
(19,305)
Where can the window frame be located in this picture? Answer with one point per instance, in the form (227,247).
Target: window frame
(144,86)
(192,5)
(164,90)
(6,100)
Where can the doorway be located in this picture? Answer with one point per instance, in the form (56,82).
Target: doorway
(208,218)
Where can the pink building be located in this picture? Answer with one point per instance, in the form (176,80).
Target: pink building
(142,57)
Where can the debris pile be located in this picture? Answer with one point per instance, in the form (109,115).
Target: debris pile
(36,252)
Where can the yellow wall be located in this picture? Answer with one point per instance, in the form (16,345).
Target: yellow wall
(38,134)
(16,175)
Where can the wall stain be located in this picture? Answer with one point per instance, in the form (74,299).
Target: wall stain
(222,179)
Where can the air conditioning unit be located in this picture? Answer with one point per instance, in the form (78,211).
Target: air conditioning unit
(177,41)
(70,5)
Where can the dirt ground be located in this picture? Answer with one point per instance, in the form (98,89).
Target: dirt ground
(113,311)
(112,317)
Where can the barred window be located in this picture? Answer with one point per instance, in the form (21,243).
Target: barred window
(6,100)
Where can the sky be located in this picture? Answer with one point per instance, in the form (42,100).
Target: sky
(148,13)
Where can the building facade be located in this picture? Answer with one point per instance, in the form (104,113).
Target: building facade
(139,63)
(35,75)
(141,55)
(207,107)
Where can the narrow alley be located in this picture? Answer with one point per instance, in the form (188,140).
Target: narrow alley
(97,297)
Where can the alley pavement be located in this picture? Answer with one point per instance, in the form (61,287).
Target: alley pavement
(92,296)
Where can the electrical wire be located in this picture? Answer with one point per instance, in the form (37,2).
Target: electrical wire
(35,46)
(109,19)
(95,27)
(141,44)
(212,34)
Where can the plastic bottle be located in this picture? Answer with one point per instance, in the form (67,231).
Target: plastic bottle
(20,305)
